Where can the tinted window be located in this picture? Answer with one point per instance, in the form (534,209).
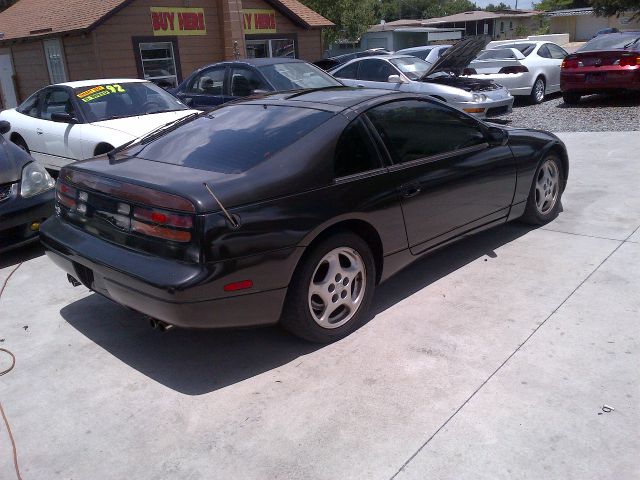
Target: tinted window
(30,105)
(614,40)
(355,152)
(350,71)
(234,138)
(295,76)
(556,52)
(543,52)
(525,48)
(414,129)
(209,82)
(56,101)
(496,53)
(245,80)
(423,54)
(375,70)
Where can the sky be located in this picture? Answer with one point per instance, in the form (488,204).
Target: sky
(522,4)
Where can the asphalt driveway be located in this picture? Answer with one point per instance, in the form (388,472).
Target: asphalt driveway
(491,359)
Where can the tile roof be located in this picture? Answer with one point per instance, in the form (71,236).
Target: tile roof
(33,18)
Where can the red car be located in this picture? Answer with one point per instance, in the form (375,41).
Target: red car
(606,63)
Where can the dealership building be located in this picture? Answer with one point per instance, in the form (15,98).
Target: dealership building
(53,41)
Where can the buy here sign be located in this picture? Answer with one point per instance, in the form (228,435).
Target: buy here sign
(178,21)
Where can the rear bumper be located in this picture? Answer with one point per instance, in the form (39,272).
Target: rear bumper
(17,215)
(181,294)
(599,80)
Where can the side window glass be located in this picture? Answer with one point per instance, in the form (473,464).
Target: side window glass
(209,82)
(355,152)
(349,72)
(415,129)
(244,81)
(543,52)
(56,101)
(375,70)
(556,52)
(30,105)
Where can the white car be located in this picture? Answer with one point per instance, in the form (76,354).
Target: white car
(428,53)
(526,68)
(73,121)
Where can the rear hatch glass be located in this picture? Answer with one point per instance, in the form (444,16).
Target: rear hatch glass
(234,138)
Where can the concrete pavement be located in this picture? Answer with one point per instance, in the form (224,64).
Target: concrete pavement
(489,359)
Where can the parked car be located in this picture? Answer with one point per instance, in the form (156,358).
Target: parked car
(483,98)
(72,121)
(26,194)
(530,69)
(332,62)
(605,31)
(222,82)
(293,207)
(428,53)
(607,63)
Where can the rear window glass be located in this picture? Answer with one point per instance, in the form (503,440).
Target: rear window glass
(496,54)
(234,138)
(614,40)
(525,48)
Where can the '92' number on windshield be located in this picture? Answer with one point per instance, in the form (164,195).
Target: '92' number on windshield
(115,88)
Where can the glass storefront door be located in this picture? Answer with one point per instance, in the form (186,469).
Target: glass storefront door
(272,47)
(158,63)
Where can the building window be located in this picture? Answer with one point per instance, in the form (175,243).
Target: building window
(272,47)
(501,27)
(55,60)
(158,63)
(510,25)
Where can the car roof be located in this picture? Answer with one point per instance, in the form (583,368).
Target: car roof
(419,49)
(258,62)
(100,81)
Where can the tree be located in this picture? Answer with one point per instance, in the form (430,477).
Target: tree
(390,10)
(551,5)
(607,8)
(496,8)
(351,17)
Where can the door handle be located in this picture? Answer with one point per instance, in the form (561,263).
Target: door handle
(39,131)
(410,190)
(359,85)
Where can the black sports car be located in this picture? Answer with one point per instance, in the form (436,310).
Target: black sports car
(293,207)
(26,194)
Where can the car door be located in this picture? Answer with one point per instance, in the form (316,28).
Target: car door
(348,74)
(206,89)
(27,121)
(59,142)
(449,178)
(557,56)
(244,81)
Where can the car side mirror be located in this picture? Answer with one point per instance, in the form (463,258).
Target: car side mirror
(259,91)
(5,127)
(395,79)
(63,118)
(497,136)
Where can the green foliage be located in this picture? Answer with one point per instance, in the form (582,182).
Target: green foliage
(390,10)
(545,26)
(352,17)
(521,31)
(606,8)
(495,8)
(551,5)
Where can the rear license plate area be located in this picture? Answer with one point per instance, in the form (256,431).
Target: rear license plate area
(594,78)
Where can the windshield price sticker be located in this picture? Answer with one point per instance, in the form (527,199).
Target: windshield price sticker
(99,91)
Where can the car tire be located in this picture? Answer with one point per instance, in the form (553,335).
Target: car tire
(545,197)
(331,290)
(19,142)
(538,91)
(571,98)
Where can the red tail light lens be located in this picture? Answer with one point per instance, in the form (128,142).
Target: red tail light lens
(127,191)
(235,286)
(514,69)
(570,63)
(160,232)
(66,195)
(469,71)
(629,61)
(163,218)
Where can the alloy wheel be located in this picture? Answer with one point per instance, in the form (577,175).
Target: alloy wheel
(547,186)
(337,287)
(538,90)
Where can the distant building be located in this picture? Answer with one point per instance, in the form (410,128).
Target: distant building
(582,23)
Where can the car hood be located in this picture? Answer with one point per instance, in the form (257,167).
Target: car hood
(142,124)
(12,161)
(456,58)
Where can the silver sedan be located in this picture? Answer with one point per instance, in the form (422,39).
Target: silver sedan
(406,73)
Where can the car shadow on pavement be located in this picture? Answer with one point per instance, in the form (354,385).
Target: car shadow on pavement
(623,99)
(196,362)
(19,255)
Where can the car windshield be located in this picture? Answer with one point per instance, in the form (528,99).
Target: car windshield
(233,138)
(496,54)
(423,54)
(296,76)
(106,101)
(525,48)
(611,41)
(413,67)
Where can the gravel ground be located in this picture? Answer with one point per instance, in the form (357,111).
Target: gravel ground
(594,113)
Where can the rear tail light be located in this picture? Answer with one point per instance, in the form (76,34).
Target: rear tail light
(628,61)
(66,195)
(514,69)
(161,224)
(469,71)
(569,62)
(160,232)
